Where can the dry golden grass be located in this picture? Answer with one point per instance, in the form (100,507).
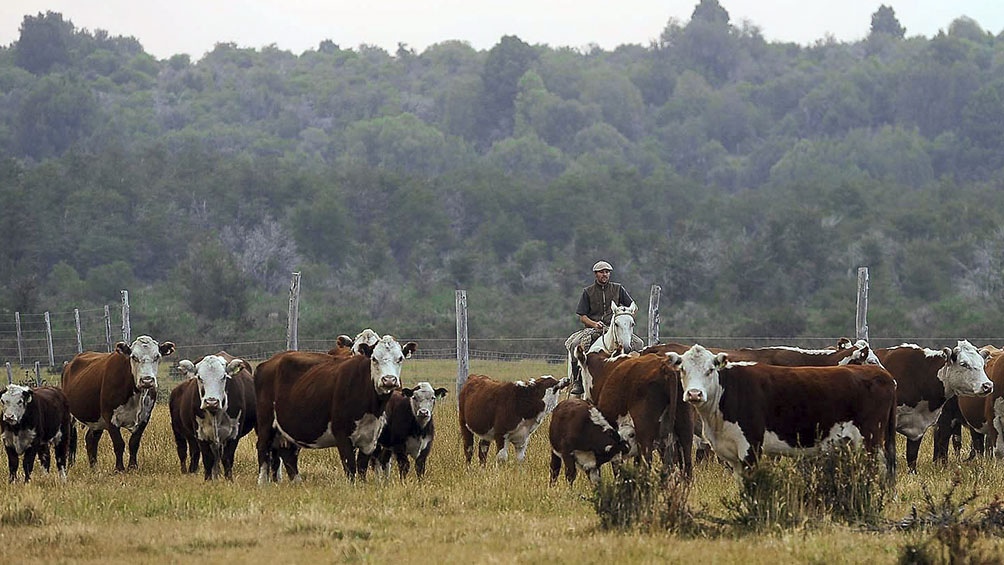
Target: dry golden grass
(500,514)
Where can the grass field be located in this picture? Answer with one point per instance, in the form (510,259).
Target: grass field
(500,514)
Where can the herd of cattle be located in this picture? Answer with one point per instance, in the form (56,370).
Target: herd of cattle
(739,403)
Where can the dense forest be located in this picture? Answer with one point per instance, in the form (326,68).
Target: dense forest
(749,179)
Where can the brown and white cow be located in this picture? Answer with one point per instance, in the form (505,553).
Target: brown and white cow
(749,409)
(846,353)
(581,438)
(409,431)
(111,391)
(925,379)
(211,412)
(504,412)
(983,416)
(32,419)
(318,401)
(641,398)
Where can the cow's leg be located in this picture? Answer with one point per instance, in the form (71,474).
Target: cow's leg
(571,469)
(91,438)
(71,453)
(977,445)
(362,464)
(194,453)
(11,463)
(118,445)
(555,467)
(28,462)
(44,457)
(347,455)
(420,464)
(404,465)
(383,461)
(468,438)
(181,446)
(268,458)
(134,440)
(912,449)
(229,448)
(62,452)
(483,446)
(947,431)
(502,445)
(289,455)
(209,457)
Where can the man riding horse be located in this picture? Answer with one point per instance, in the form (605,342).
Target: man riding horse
(595,310)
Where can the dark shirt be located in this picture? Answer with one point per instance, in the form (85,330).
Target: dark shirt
(598,309)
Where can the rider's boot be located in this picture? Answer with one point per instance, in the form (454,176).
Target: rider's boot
(577,388)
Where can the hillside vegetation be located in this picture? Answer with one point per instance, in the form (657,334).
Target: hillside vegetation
(750,179)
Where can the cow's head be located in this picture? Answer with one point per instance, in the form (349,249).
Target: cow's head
(365,337)
(14,401)
(547,388)
(386,358)
(144,355)
(423,401)
(212,374)
(698,370)
(622,324)
(964,373)
(861,354)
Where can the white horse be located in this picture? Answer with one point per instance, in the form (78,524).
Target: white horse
(617,335)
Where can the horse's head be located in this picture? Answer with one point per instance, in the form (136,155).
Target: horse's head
(621,327)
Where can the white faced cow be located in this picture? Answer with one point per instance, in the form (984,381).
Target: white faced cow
(111,391)
(409,430)
(31,419)
(748,408)
(926,379)
(211,411)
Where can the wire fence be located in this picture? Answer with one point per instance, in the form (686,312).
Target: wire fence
(35,346)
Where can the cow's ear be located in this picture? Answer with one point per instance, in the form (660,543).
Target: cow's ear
(674,359)
(187,368)
(721,360)
(985,353)
(234,366)
(123,348)
(166,348)
(843,343)
(441,392)
(343,341)
(948,353)
(364,348)
(27,395)
(409,348)
(408,392)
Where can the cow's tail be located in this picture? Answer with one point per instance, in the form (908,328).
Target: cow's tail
(890,442)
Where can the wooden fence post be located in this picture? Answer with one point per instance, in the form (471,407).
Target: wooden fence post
(292,338)
(76,323)
(20,347)
(653,315)
(126,326)
(861,319)
(10,374)
(463,362)
(38,374)
(48,339)
(108,328)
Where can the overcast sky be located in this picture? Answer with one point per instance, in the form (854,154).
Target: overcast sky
(195,26)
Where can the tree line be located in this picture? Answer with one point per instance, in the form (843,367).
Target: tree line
(750,179)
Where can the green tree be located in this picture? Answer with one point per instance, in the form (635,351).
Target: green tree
(212,282)
(46,41)
(506,63)
(884,22)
